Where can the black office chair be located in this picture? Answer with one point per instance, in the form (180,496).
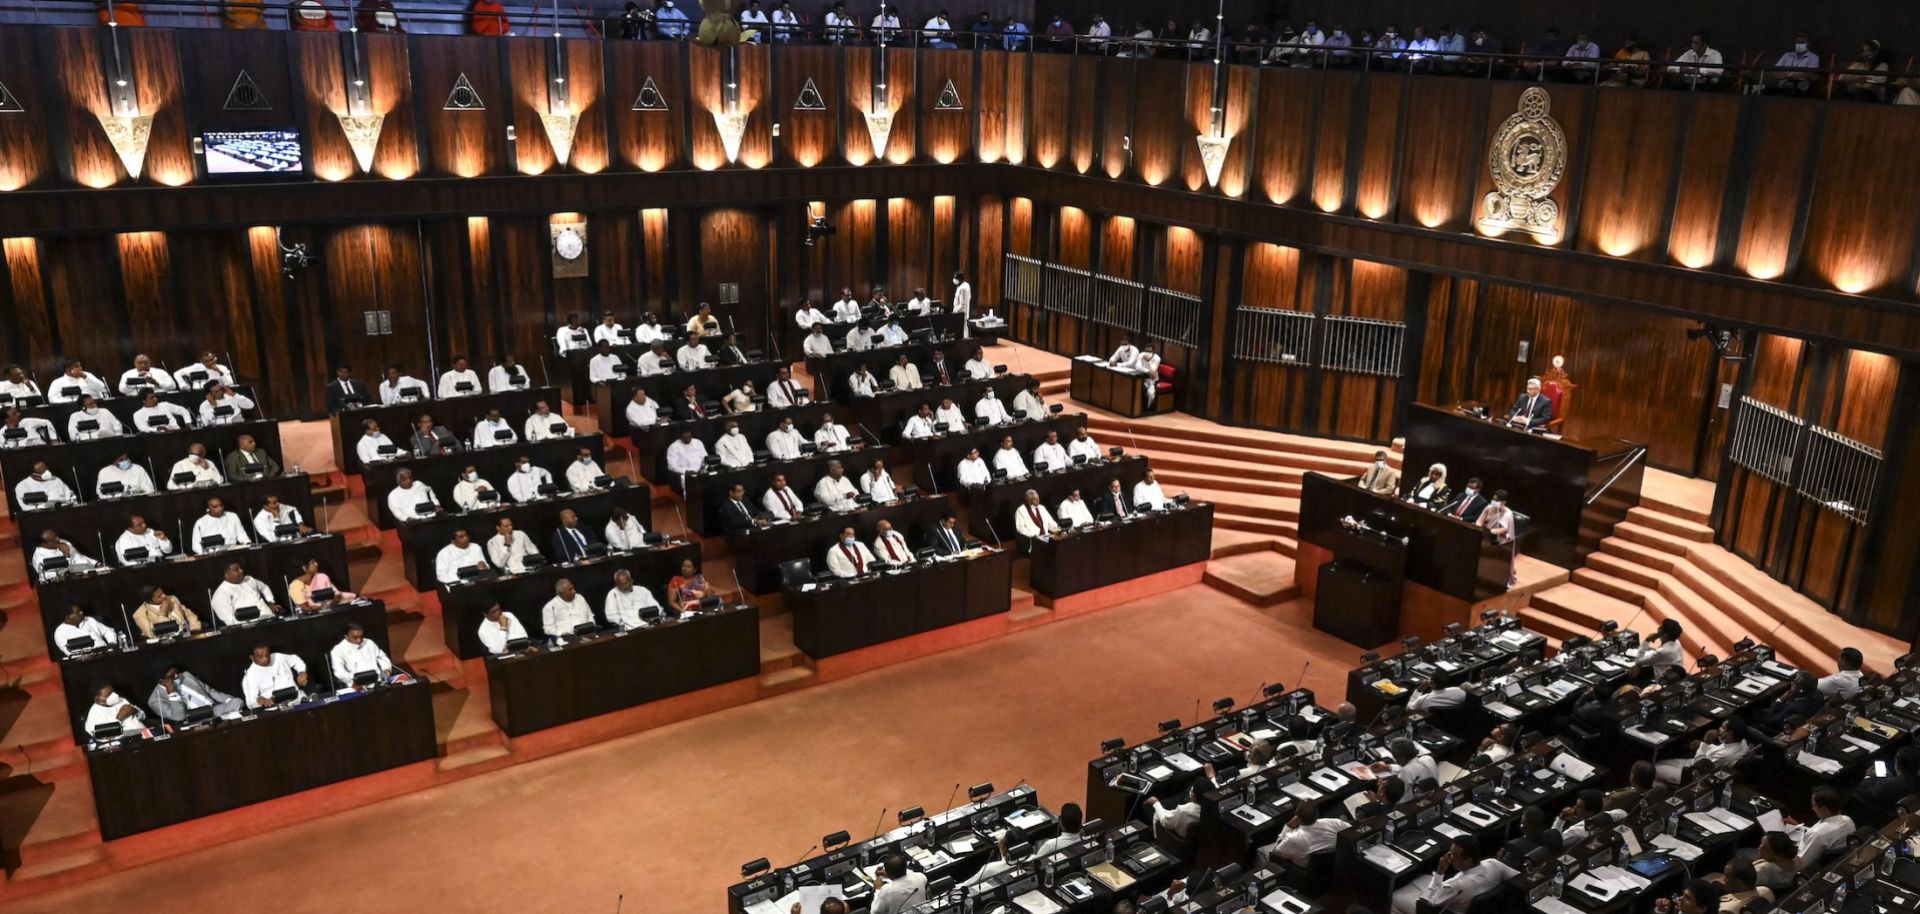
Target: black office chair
(796,573)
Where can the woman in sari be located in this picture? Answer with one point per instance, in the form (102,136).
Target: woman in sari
(309,581)
(687,588)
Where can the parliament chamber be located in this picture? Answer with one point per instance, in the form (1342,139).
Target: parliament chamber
(1256,462)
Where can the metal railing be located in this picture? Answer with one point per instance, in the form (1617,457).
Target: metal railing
(1839,474)
(1273,336)
(1765,439)
(1362,345)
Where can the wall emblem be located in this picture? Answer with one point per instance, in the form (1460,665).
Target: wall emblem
(1528,158)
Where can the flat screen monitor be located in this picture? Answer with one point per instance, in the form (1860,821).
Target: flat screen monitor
(253,152)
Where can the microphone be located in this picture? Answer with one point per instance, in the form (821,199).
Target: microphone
(1636,617)
(996,533)
(870,434)
(877,823)
(933,482)
(618,902)
(949,803)
(546,379)
(1301,682)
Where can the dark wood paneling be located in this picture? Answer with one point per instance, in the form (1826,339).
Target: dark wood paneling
(1161,129)
(1860,230)
(1084,132)
(212,70)
(1624,198)
(756,146)
(1437,156)
(1339,94)
(1288,99)
(1052,84)
(1116,246)
(159,326)
(86,301)
(808,137)
(1017,136)
(26,158)
(1712,123)
(463,143)
(528,77)
(33,343)
(1773,197)
(1073,245)
(1115,101)
(992,116)
(648,140)
(990,213)
(733,248)
(1374,186)
(909,233)
(947,135)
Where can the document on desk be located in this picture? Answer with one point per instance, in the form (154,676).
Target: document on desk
(1865,745)
(1353,803)
(963,843)
(1568,764)
(809,898)
(928,859)
(1816,764)
(1449,830)
(1709,823)
(1284,901)
(1649,737)
(1591,883)
(1685,851)
(1252,816)
(1551,905)
(1037,902)
(1300,791)
(1449,772)
(1181,760)
(1622,878)
(1158,772)
(1754,685)
(1028,819)
(1501,710)
(1475,813)
(1110,876)
(1386,857)
(1312,713)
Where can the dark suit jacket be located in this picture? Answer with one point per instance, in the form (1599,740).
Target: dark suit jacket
(1541,414)
(565,549)
(235,462)
(731,355)
(943,546)
(736,517)
(337,394)
(1107,508)
(1475,503)
(1887,791)
(439,440)
(932,374)
(683,410)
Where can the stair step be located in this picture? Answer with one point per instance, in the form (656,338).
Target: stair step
(790,679)
(465,758)
(1644,556)
(1260,578)
(1652,538)
(1608,563)
(1582,607)
(1669,524)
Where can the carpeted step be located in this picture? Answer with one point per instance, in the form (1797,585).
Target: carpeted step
(1190,429)
(1581,609)
(1189,480)
(1549,623)
(1669,524)
(1151,445)
(1652,538)
(1272,528)
(1616,566)
(1644,556)
(1824,633)
(1696,515)
(1166,462)
(1259,578)
(1240,542)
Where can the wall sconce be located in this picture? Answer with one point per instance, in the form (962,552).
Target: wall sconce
(878,114)
(559,121)
(127,129)
(1214,142)
(361,125)
(729,119)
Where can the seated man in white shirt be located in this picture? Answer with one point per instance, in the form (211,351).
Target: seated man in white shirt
(1827,836)
(218,529)
(1031,518)
(950,415)
(740,399)
(974,471)
(270,673)
(1437,693)
(52,547)
(817,343)
(687,455)
(649,330)
(143,377)
(584,473)
(830,436)
(574,335)
(606,366)
(15,384)
(1461,877)
(693,356)
(977,367)
(849,558)
(921,424)
(785,391)
(733,448)
(41,482)
(109,708)
(1125,355)
(1722,747)
(889,547)
(655,361)
(862,383)
(461,553)
(783,443)
(204,372)
(1027,403)
(178,693)
(1176,818)
(74,382)
(566,612)
(545,424)
(411,500)
(467,493)
(493,430)
(1844,682)
(904,374)
(919,303)
(846,310)
(893,334)
(400,387)
(374,445)
(641,410)
(609,330)
(524,485)
(19,430)
(627,606)
(502,631)
(781,502)
(1008,460)
(897,888)
(1148,366)
(624,532)
(508,548)
(273,517)
(139,536)
(459,381)
(835,490)
(859,338)
(1305,835)
(194,470)
(1050,453)
(1147,492)
(356,655)
(1074,508)
(507,375)
(91,421)
(989,410)
(809,315)
(1083,445)
(878,484)
(155,415)
(241,598)
(79,632)
(122,478)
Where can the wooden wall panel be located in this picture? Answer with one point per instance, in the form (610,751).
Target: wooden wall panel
(1052,76)
(87,304)
(26,148)
(756,144)
(1020,227)
(394,94)
(909,233)
(1084,138)
(904,139)
(1186,255)
(856,98)
(159,326)
(1693,238)
(1162,131)
(1374,290)
(321,76)
(947,256)
(32,344)
(947,135)
(76,62)
(616,262)
(1374,190)
(1773,198)
(648,140)
(456,312)
(809,137)
(655,274)
(378,268)
(212,65)
(1861,411)
(1116,246)
(520,251)
(1019,135)
(1272,278)
(990,215)
(1624,197)
(1439,154)
(991,72)
(527,75)
(213,272)
(1116,114)
(156,67)
(1849,246)
(733,248)
(1073,246)
(1338,94)
(1288,99)
(294,309)
(464,143)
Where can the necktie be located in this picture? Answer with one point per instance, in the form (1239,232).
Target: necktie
(891,555)
(942,366)
(1120,504)
(579,544)
(859,567)
(1463,505)
(953,542)
(697,410)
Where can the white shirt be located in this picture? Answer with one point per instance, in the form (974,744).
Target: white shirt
(1457,891)
(893,335)
(810,315)
(830,437)
(905,377)
(692,357)
(39,431)
(1084,447)
(642,413)
(782,394)
(979,370)
(1820,838)
(176,416)
(368,448)
(613,333)
(403,503)
(77,560)
(836,494)
(1842,684)
(919,427)
(1437,699)
(1009,460)
(849,561)
(580,476)
(230,597)
(525,486)
(880,489)
(846,310)
(1025,524)
(108,422)
(1075,510)
(447,565)
(1123,357)
(1297,845)
(1053,455)
(1149,494)
(859,339)
(86,382)
(568,338)
(783,504)
(962,298)
(1665,657)
(348,658)
(654,363)
(262,681)
(990,411)
(1707,62)
(1179,820)
(784,443)
(862,384)
(686,456)
(916,304)
(648,333)
(1030,405)
(494,637)
(56,490)
(133,480)
(264,521)
(150,541)
(951,415)
(560,617)
(204,472)
(630,537)
(817,344)
(1147,364)
(162,381)
(227,525)
(510,554)
(450,383)
(390,391)
(900,894)
(900,554)
(10,390)
(623,607)
(486,433)
(109,713)
(604,367)
(466,494)
(540,427)
(89,628)
(733,449)
(499,378)
(974,472)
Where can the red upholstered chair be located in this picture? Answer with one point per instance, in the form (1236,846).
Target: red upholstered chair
(1163,390)
(1559,390)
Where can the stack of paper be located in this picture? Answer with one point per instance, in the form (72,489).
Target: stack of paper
(1650,737)
(1387,858)
(1817,764)
(1678,848)
(1300,791)
(1551,905)
(1709,823)
(1037,902)
(1566,763)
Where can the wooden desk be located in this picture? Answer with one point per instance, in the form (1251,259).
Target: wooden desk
(79,462)
(420,540)
(464,608)
(704,492)
(496,465)
(1112,553)
(610,399)
(757,555)
(650,443)
(92,524)
(458,415)
(886,413)
(848,615)
(936,460)
(1111,389)
(998,502)
(830,372)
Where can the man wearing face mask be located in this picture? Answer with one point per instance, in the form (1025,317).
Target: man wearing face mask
(990,411)
(1470,503)
(1581,60)
(830,436)
(1380,478)
(524,485)
(783,443)
(740,399)
(889,547)
(1339,47)
(849,558)
(154,415)
(197,466)
(21,431)
(109,708)
(1800,58)
(1479,43)
(127,478)
(466,492)
(733,448)
(584,472)
(1452,45)
(493,431)
(1497,519)
(93,422)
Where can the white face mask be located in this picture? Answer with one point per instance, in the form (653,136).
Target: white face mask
(124,464)
(473,477)
(1801,47)
(733,431)
(524,468)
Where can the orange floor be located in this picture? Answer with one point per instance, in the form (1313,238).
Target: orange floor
(667,816)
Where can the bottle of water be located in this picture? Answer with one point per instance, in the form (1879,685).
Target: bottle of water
(1559,881)
(1673,822)
(1839,895)
(1726,793)
(1393,826)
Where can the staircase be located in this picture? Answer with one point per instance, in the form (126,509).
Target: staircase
(1661,563)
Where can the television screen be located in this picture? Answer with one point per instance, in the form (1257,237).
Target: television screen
(252,152)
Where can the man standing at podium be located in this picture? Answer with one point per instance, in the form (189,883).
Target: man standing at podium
(1532,409)
(1379,478)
